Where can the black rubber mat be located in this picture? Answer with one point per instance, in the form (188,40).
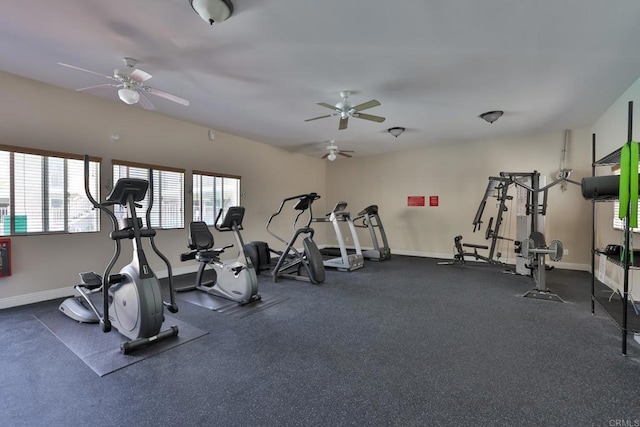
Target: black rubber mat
(231,308)
(101,351)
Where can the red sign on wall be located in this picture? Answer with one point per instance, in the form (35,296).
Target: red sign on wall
(5,257)
(415,201)
(433,200)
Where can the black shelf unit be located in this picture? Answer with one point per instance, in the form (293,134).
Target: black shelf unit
(621,320)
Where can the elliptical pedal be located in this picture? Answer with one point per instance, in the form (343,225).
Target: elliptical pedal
(91,280)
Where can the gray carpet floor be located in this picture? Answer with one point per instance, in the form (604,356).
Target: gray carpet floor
(399,343)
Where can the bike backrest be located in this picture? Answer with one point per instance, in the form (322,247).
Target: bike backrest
(200,238)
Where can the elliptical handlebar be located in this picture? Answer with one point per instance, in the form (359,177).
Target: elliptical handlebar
(171,305)
(105,323)
(304,203)
(87,190)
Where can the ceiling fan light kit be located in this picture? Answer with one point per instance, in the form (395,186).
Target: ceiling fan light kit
(333,151)
(128,95)
(212,10)
(491,116)
(130,82)
(344,109)
(396,131)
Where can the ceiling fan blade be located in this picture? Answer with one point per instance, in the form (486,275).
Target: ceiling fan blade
(345,155)
(365,105)
(165,95)
(145,102)
(347,151)
(369,117)
(97,88)
(321,117)
(324,104)
(325,156)
(140,76)
(343,123)
(73,67)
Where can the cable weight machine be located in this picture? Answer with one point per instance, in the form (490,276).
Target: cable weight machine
(529,245)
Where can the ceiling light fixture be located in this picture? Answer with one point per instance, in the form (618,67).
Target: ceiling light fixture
(332,156)
(128,95)
(491,116)
(212,10)
(395,131)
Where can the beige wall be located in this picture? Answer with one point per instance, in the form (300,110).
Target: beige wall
(41,116)
(458,175)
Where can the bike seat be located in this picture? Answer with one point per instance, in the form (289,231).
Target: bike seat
(207,256)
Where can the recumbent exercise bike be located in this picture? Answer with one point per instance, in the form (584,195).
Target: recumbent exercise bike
(234,280)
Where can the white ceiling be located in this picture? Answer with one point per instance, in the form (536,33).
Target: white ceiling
(434,65)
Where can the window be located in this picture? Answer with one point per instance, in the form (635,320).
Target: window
(618,224)
(212,192)
(43,192)
(168,193)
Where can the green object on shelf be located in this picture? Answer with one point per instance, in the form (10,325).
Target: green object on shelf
(629,157)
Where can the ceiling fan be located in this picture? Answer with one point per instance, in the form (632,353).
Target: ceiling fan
(333,150)
(130,82)
(345,110)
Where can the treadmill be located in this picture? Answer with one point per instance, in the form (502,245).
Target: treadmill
(345,261)
(371,220)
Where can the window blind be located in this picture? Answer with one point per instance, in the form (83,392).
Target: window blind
(212,192)
(168,193)
(43,192)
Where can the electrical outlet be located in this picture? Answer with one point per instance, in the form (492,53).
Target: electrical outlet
(565,252)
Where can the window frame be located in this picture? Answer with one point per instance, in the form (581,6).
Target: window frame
(200,198)
(45,190)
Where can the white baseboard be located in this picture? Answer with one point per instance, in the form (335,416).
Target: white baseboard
(68,290)
(36,297)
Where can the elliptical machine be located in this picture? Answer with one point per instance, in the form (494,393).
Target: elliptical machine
(235,280)
(291,263)
(131,300)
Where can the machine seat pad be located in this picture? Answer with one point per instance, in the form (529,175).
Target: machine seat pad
(208,256)
(471,245)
